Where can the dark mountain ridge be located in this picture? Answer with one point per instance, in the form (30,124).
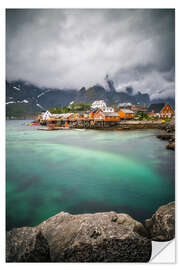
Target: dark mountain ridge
(35,99)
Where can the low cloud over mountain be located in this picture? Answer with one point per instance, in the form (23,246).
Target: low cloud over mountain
(74,48)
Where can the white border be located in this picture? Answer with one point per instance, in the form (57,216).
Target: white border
(89,4)
(2,134)
(75,4)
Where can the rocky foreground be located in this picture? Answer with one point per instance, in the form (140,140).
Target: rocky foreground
(161,227)
(169,134)
(99,237)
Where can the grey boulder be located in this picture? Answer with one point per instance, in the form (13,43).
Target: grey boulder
(161,227)
(99,237)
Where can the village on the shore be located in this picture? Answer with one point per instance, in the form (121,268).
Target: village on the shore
(101,115)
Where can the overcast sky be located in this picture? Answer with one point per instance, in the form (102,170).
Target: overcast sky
(76,48)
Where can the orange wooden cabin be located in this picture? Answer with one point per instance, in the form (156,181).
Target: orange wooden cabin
(86,116)
(106,116)
(138,108)
(160,110)
(51,120)
(72,117)
(126,114)
(39,118)
(93,113)
(78,116)
(51,126)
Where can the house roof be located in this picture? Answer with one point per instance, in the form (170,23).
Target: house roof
(66,115)
(110,113)
(96,110)
(107,108)
(99,103)
(127,111)
(123,105)
(156,107)
(139,108)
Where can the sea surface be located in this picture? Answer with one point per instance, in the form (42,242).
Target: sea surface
(84,171)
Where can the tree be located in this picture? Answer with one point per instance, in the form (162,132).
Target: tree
(141,116)
(75,107)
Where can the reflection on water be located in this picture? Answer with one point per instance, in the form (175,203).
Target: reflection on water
(85,171)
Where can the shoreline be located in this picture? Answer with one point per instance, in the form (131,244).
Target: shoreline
(167,127)
(129,126)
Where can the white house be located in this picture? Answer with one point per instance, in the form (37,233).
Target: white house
(108,109)
(101,104)
(46,115)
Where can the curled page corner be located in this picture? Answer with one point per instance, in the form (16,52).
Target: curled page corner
(163,252)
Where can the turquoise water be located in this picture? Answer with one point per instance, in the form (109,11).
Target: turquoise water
(82,171)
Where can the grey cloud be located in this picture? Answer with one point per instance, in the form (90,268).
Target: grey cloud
(77,47)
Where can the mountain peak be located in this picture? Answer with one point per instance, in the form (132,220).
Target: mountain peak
(110,83)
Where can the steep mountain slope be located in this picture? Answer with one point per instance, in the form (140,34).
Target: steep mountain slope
(56,98)
(21,110)
(170,101)
(25,98)
(91,94)
(97,92)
